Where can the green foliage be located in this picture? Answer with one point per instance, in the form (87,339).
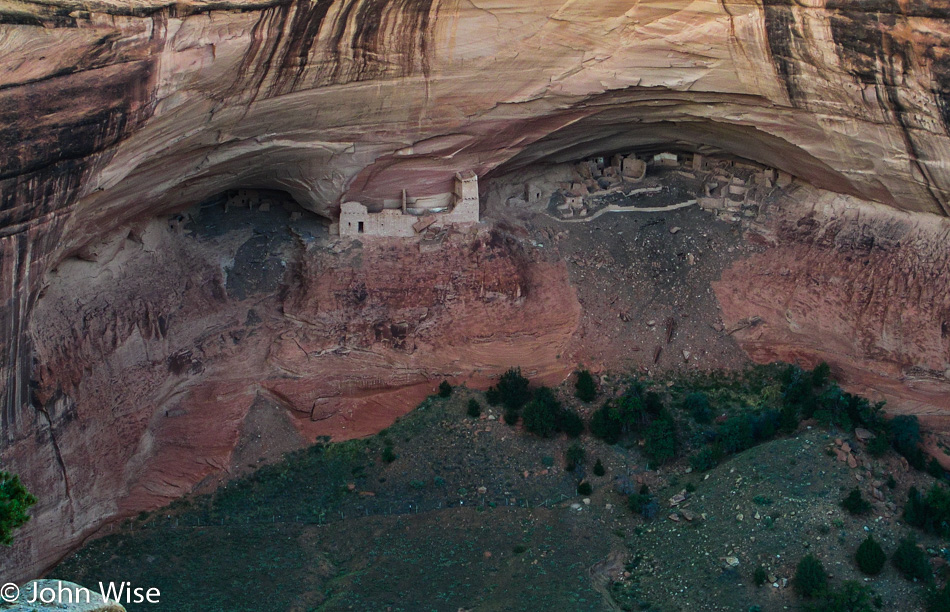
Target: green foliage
(735,435)
(445,389)
(878,446)
(938,600)
(660,440)
(519,549)
(911,561)
(706,459)
(511,416)
(604,426)
(891,483)
(697,405)
(599,469)
(905,438)
(540,413)
(568,421)
(870,557)
(474,408)
(851,597)
(788,421)
(511,391)
(574,456)
(15,500)
(810,577)
(643,503)
(584,488)
(935,469)
(584,387)
(855,504)
(760,576)
(929,512)
(820,375)
(389,455)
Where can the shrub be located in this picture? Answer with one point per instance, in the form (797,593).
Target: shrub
(660,441)
(821,374)
(706,459)
(603,425)
(697,405)
(653,404)
(810,577)
(905,438)
(511,416)
(643,504)
(870,557)
(935,469)
(938,600)
(760,576)
(511,391)
(911,562)
(445,389)
(931,512)
(519,549)
(569,422)
(851,597)
(389,455)
(584,387)
(540,413)
(788,418)
(474,408)
(891,483)
(855,504)
(574,456)
(584,488)
(15,500)
(735,435)
(878,446)
(599,469)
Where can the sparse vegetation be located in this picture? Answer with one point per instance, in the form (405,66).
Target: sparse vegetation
(760,576)
(850,597)
(474,409)
(584,386)
(389,455)
(584,488)
(870,557)
(905,438)
(599,469)
(697,405)
(15,500)
(810,577)
(574,456)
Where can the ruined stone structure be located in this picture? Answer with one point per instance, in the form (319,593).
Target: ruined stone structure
(357,220)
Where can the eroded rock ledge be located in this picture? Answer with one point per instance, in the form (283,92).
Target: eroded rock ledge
(113,114)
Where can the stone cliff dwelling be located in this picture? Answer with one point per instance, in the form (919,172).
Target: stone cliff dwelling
(411,219)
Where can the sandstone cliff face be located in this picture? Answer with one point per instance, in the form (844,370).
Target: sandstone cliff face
(114,112)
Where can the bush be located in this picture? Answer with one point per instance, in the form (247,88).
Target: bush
(599,469)
(474,408)
(911,562)
(660,441)
(540,413)
(584,488)
(604,426)
(389,455)
(788,418)
(931,512)
(642,503)
(511,391)
(584,387)
(935,469)
(870,557)
(821,374)
(445,389)
(905,438)
(511,416)
(569,422)
(810,577)
(851,597)
(15,500)
(697,405)
(735,435)
(760,576)
(706,459)
(855,504)
(574,456)
(878,446)
(938,600)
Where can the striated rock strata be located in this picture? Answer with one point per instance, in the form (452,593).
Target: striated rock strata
(115,112)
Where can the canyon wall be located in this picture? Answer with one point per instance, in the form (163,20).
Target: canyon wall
(113,113)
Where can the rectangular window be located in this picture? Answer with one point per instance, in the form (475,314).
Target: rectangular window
(360,228)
